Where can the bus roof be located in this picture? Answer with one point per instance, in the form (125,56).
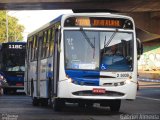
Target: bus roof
(46,25)
(77,14)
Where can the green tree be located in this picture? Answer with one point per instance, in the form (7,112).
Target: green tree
(15,29)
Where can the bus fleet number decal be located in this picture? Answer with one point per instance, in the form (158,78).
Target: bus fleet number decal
(123,75)
(15,46)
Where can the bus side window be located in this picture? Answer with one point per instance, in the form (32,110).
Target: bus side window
(41,47)
(30,51)
(44,45)
(48,43)
(30,46)
(27,48)
(35,47)
(52,42)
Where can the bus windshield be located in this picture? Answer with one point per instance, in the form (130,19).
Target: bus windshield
(98,50)
(13,60)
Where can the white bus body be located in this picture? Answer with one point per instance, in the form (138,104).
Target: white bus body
(74,70)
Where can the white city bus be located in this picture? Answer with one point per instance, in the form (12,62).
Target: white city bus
(83,58)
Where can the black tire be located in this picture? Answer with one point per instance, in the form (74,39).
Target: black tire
(49,93)
(35,101)
(58,105)
(89,105)
(44,101)
(115,105)
(81,105)
(32,88)
(137,85)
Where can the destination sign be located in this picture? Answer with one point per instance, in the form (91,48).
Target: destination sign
(16,46)
(98,22)
(107,23)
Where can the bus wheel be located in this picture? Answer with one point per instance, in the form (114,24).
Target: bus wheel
(35,101)
(81,105)
(32,88)
(44,101)
(49,93)
(89,105)
(115,105)
(58,104)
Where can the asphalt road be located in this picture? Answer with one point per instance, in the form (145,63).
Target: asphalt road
(146,106)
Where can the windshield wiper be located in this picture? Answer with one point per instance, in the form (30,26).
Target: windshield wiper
(110,39)
(87,38)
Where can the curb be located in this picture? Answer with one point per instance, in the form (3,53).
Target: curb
(148,80)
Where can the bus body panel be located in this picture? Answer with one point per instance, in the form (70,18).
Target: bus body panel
(32,77)
(131,82)
(45,74)
(66,88)
(129,90)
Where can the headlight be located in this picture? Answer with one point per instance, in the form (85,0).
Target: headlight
(128,81)
(3,81)
(71,80)
(1,77)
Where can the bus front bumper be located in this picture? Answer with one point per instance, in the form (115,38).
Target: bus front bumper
(70,90)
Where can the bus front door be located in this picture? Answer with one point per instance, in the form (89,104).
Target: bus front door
(40,38)
(56,62)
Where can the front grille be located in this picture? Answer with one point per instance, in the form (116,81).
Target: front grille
(90,93)
(114,84)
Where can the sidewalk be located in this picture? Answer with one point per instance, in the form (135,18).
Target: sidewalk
(149,76)
(144,84)
(148,80)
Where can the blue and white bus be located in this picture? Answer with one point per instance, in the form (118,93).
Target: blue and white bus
(12,65)
(83,58)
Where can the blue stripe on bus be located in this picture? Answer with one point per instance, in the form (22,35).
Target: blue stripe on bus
(81,77)
(12,80)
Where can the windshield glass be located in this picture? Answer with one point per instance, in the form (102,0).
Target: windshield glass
(14,60)
(82,50)
(98,50)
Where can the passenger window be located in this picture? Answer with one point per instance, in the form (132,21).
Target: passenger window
(27,51)
(30,50)
(47,43)
(35,47)
(42,42)
(52,42)
(43,47)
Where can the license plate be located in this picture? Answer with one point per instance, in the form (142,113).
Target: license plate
(98,91)
(20,91)
(19,84)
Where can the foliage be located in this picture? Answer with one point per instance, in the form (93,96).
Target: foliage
(15,30)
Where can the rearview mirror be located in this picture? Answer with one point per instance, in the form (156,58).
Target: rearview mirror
(139,48)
